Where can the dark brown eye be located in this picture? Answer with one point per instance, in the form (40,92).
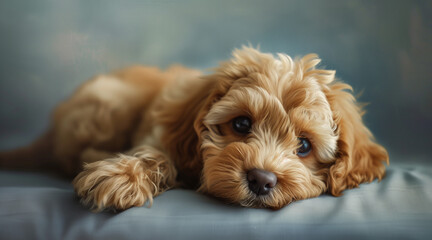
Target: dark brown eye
(242,125)
(305,147)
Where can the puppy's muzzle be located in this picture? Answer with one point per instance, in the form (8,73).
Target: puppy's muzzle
(260,181)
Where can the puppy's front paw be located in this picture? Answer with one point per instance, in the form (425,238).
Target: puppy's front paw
(118,183)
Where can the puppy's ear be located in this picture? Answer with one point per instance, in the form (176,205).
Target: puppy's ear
(244,61)
(359,158)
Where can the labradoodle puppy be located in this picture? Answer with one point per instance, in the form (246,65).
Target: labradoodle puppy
(261,131)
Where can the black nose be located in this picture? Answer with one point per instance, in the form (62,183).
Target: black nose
(261,181)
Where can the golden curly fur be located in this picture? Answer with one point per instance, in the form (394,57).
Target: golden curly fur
(175,127)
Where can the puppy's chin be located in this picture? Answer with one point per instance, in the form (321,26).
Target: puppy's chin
(225,176)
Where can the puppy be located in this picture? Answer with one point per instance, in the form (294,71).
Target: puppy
(261,131)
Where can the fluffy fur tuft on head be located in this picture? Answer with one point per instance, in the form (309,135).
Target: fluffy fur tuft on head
(261,131)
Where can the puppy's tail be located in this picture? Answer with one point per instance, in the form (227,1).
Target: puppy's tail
(36,156)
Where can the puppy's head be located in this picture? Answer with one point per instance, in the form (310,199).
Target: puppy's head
(275,130)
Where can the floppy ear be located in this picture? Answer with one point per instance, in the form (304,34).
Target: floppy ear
(244,61)
(359,158)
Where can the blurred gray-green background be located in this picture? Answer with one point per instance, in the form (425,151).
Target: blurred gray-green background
(382,48)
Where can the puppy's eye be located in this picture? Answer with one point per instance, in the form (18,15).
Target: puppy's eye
(305,147)
(242,125)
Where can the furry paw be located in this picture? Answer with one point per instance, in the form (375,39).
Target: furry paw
(119,183)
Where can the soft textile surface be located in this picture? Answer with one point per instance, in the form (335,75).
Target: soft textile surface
(36,206)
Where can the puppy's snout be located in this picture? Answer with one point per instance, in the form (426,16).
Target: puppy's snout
(261,181)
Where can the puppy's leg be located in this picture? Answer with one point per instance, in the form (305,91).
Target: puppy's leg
(99,117)
(90,155)
(126,180)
